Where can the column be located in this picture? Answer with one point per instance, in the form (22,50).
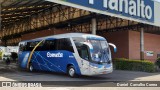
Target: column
(142,44)
(94,26)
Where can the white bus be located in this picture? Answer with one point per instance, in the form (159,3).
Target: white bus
(71,53)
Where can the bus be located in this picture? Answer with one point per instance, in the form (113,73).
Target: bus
(70,53)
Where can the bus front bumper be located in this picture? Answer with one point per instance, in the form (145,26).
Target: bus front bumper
(99,71)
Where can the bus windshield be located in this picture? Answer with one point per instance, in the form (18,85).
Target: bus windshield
(100,51)
(93,50)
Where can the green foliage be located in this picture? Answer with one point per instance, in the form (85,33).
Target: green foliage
(134,65)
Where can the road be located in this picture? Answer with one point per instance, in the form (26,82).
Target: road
(11,73)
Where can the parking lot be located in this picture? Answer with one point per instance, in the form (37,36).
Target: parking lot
(12,73)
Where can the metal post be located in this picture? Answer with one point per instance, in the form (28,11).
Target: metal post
(94,26)
(142,44)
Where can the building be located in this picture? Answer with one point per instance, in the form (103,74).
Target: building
(132,25)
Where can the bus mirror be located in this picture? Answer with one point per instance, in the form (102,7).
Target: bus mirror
(114,46)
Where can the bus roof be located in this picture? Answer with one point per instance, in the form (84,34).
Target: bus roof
(66,35)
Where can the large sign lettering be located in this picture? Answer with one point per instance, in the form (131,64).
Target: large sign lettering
(139,9)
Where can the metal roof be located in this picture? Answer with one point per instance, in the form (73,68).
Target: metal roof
(14,10)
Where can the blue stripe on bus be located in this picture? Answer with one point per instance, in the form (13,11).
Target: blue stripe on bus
(40,61)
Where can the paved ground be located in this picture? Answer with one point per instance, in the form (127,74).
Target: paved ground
(11,73)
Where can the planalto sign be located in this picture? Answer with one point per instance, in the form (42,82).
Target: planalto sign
(138,9)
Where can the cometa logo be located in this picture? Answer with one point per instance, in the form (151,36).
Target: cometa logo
(54,54)
(131,7)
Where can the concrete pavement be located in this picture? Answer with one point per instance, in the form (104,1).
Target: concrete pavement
(11,73)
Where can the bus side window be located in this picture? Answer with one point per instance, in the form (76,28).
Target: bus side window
(52,45)
(49,45)
(40,47)
(82,48)
(65,44)
(30,46)
(83,52)
(21,47)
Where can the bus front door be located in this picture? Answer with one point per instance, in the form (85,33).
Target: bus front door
(84,54)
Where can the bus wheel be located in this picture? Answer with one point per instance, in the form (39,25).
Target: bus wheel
(30,67)
(71,71)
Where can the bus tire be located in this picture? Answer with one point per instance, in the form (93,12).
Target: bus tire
(30,67)
(71,71)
